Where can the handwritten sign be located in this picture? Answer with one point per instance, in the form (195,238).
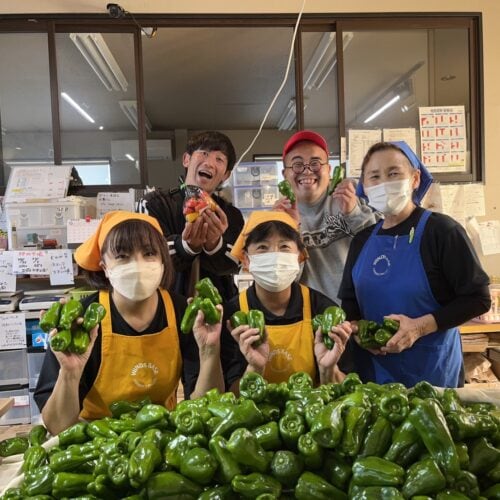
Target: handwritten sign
(80,230)
(61,267)
(107,202)
(12,331)
(7,277)
(31,262)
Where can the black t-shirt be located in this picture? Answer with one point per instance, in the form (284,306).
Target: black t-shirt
(233,362)
(455,275)
(188,347)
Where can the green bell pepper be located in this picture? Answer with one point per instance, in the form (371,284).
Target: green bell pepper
(70,484)
(337,177)
(37,435)
(118,471)
(238,318)
(61,341)
(217,493)
(253,386)
(190,314)
(245,414)
(463,455)
(376,493)
(493,492)
(286,467)
(246,450)
(80,341)
(143,461)
(71,459)
(350,382)
(356,422)
(38,481)
(483,456)
(316,322)
(450,401)
(337,470)
(300,380)
(291,427)
(211,314)
(382,336)
(151,415)
(376,471)
(313,487)
(332,316)
(76,434)
(406,445)
(278,394)
(207,290)
(270,412)
(391,325)
(328,426)
(424,390)
(378,438)
(228,467)
(285,189)
(310,451)
(464,425)
(430,423)
(188,422)
(34,457)
(257,320)
(423,478)
(120,407)
(268,436)
(394,406)
(50,318)
(171,485)
(70,311)
(199,465)
(366,330)
(255,484)
(93,315)
(100,428)
(13,446)
(451,495)
(312,410)
(466,483)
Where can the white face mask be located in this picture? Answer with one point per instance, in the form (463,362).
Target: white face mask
(389,197)
(274,271)
(136,281)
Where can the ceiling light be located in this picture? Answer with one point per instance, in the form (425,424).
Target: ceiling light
(130,110)
(96,52)
(101,127)
(129,156)
(77,107)
(323,60)
(287,119)
(382,108)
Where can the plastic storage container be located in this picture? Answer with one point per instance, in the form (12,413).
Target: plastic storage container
(13,367)
(35,415)
(261,197)
(256,175)
(35,361)
(20,413)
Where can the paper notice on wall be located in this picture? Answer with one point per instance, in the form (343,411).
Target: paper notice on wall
(107,202)
(474,200)
(443,138)
(409,135)
(359,143)
(489,236)
(61,267)
(432,199)
(31,262)
(7,276)
(12,331)
(453,202)
(80,230)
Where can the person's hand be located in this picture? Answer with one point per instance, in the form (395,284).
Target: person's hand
(346,196)
(217,226)
(195,234)
(376,352)
(327,358)
(71,362)
(245,336)
(285,205)
(207,336)
(410,330)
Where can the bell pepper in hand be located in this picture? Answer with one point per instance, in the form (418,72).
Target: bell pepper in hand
(337,177)
(61,341)
(206,289)
(332,316)
(93,315)
(50,318)
(382,336)
(211,314)
(256,320)
(313,487)
(80,341)
(70,311)
(366,334)
(253,386)
(391,325)
(190,314)
(285,189)
(238,318)
(245,449)
(376,471)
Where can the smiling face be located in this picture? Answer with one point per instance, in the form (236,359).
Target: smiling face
(206,169)
(308,186)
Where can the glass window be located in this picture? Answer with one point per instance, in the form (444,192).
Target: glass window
(25,109)
(98,105)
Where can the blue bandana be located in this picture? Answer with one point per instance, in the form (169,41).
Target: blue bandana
(425,175)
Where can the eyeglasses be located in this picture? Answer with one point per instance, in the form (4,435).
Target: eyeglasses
(314,166)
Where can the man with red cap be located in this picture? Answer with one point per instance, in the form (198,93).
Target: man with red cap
(328,222)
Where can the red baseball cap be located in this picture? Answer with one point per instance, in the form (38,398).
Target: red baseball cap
(305,135)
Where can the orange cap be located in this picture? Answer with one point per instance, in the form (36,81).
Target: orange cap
(255,219)
(88,254)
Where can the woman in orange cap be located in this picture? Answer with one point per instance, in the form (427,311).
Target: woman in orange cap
(138,350)
(271,249)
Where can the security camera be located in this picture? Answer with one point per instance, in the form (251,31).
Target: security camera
(115,11)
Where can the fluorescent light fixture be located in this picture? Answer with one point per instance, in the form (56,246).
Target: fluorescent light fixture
(129,156)
(382,108)
(287,119)
(129,108)
(96,52)
(101,127)
(77,107)
(323,60)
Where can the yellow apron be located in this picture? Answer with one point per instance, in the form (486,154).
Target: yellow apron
(133,367)
(291,347)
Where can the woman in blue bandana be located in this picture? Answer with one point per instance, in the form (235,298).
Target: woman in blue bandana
(414,266)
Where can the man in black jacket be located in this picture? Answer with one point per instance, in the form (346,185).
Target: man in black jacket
(205,243)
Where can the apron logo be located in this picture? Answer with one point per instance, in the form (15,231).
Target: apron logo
(144,375)
(280,360)
(381,265)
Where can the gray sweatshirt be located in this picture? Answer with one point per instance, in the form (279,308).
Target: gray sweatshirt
(327,235)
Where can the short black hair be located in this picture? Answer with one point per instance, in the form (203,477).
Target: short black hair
(130,236)
(212,140)
(266,229)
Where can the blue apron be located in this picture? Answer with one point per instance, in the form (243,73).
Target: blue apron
(389,278)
